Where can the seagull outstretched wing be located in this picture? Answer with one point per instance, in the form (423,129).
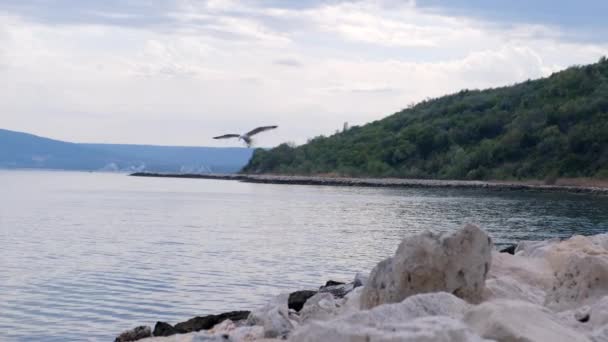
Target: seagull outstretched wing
(260,129)
(227,136)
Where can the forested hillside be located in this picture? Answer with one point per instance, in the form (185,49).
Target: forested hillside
(547,128)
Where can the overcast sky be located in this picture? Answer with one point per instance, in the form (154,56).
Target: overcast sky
(177,72)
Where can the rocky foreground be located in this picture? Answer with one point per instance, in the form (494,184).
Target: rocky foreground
(448,287)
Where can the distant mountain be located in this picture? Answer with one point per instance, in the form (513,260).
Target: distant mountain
(22,150)
(543,129)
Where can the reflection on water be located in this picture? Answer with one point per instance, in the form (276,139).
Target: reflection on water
(86,255)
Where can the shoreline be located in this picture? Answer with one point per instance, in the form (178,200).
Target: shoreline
(384,182)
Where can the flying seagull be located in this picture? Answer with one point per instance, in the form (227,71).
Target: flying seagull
(247,136)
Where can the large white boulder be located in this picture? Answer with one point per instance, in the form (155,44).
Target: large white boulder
(422,305)
(392,321)
(455,262)
(514,321)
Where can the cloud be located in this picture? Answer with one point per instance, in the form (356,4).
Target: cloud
(289,62)
(578,22)
(204,65)
(114,15)
(361,88)
(367,22)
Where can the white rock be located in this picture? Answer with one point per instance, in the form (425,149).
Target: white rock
(201,336)
(321,306)
(227,331)
(352,301)
(247,333)
(535,249)
(507,287)
(592,318)
(456,262)
(361,279)
(386,322)
(324,306)
(600,240)
(425,329)
(422,305)
(506,320)
(274,317)
(580,267)
(535,272)
(598,313)
(277,323)
(600,335)
(339,291)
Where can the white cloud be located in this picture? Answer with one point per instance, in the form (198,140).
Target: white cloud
(223,65)
(113,15)
(403,26)
(290,62)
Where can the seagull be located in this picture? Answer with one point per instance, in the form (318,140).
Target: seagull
(247,136)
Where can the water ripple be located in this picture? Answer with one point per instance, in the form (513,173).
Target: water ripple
(86,255)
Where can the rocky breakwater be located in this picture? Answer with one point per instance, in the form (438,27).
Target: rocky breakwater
(446,287)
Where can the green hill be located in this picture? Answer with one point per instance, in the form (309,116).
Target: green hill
(546,128)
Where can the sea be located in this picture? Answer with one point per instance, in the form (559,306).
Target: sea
(86,255)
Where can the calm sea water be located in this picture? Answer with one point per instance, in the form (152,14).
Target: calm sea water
(86,255)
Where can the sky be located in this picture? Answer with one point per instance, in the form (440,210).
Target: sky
(178,72)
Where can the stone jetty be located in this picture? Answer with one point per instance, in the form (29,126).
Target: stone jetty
(383,182)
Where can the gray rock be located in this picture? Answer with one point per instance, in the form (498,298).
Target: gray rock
(509,249)
(506,320)
(134,334)
(207,322)
(297,299)
(164,329)
(338,291)
(334,283)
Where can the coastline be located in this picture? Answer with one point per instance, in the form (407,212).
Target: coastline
(386,182)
